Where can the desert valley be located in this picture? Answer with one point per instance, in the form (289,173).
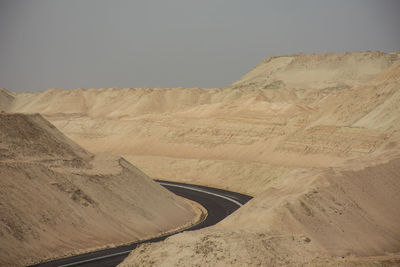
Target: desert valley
(314,138)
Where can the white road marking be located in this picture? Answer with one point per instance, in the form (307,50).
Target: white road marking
(127,252)
(203,191)
(95,259)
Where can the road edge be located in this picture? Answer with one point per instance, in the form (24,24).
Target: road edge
(200,211)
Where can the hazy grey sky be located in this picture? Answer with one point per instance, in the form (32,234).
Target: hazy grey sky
(208,43)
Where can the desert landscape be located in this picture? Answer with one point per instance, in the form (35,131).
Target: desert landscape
(314,138)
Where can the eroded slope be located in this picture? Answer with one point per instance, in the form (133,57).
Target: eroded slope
(57,199)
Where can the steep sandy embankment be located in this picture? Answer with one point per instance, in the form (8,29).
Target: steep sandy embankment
(328,218)
(314,137)
(57,199)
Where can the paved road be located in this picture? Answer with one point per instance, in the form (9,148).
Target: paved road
(219,204)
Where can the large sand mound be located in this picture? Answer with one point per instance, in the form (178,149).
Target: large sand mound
(317,71)
(32,138)
(58,199)
(334,217)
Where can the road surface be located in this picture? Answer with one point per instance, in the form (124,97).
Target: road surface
(219,204)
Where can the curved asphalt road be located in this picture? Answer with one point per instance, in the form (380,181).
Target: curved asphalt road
(219,204)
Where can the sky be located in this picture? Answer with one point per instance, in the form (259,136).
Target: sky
(209,43)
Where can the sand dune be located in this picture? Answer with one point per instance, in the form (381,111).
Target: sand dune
(314,137)
(57,199)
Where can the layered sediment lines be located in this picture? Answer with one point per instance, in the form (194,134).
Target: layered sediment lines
(310,120)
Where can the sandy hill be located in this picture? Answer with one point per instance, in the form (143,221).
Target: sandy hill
(6,99)
(317,71)
(32,138)
(370,105)
(293,125)
(58,199)
(333,217)
(111,102)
